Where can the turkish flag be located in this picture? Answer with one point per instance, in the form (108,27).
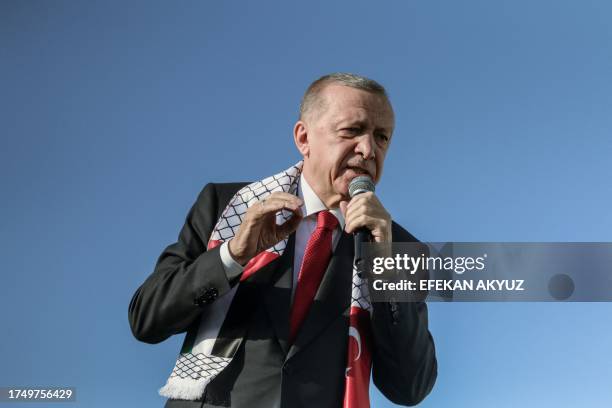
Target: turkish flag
(359,362)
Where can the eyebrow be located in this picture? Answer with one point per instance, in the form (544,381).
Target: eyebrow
(358,122)
(361,124)
(350,122)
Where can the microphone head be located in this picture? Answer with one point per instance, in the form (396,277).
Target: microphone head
(360,184)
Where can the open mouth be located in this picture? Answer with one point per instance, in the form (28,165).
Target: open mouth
(359,170)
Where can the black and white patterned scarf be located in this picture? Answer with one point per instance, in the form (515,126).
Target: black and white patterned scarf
(203,355)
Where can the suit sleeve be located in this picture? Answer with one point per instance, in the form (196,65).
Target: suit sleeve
(186,277)
(404,365)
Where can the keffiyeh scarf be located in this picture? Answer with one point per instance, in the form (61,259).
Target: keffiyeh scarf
(204,355)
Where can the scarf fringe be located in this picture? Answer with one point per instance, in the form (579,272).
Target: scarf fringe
(184,388)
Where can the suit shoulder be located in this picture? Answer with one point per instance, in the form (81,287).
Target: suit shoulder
(400,234)
(225,189)
(230,187)
(219,194)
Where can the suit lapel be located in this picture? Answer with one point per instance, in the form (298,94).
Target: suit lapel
(277,298)
(333,296)
(245,301)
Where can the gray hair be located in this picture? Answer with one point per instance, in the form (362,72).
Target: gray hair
(312,98)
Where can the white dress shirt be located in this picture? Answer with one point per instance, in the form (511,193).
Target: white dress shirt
(312,205)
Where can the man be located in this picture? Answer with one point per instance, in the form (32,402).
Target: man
(261,278)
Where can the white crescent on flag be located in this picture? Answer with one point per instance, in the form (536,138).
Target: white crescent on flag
(353,332)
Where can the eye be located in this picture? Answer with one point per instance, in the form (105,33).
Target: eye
(351,131)
(382,137)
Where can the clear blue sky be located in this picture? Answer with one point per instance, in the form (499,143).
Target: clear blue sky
(113,116)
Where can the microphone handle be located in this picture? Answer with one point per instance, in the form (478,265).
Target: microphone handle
(360,236)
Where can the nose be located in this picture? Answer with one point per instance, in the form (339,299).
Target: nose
(365,146)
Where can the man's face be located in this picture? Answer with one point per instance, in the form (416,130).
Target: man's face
(347,135)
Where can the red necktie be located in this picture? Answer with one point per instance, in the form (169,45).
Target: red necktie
(316,257)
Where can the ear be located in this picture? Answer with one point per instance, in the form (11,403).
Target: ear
(300,137)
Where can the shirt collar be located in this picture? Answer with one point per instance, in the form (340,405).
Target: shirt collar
(313,204)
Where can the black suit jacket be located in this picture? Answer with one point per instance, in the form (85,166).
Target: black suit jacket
(266,371)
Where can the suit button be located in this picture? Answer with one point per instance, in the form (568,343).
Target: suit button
(209,295)
(213,293)
(394,309)
(287,368)
(395,318)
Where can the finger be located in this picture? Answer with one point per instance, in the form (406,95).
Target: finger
(360,221)
(343,207)
(370,205)
(360,198)
(274,204)
(366,220)
(289,200)
(359,209)
(287,196)
(287,205)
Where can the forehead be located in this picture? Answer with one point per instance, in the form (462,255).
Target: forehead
(344,103)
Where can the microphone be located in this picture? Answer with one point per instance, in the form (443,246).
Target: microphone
(358,185)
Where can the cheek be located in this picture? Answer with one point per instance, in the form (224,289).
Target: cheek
(380,160)
(335,156)
(342,178)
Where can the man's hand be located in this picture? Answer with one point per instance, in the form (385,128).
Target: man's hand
(365,210)
(259,231)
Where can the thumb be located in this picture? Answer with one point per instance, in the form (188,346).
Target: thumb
(343,205)
(288,227)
